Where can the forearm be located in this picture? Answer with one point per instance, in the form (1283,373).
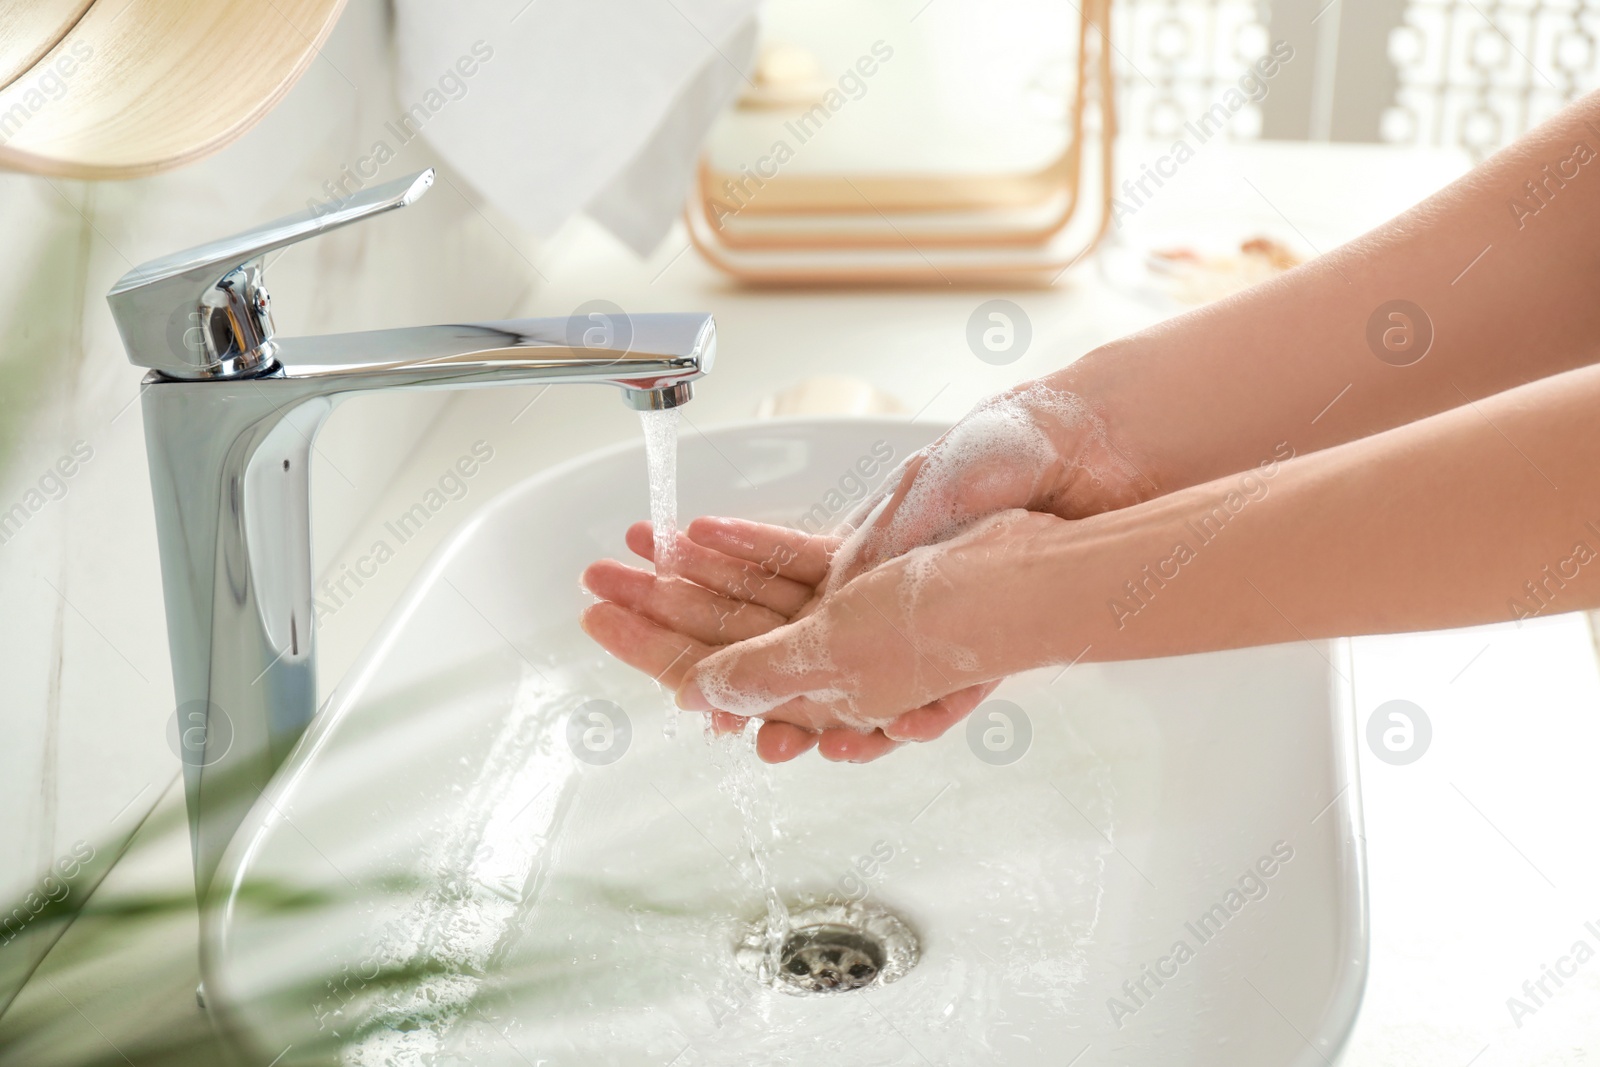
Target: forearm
(1481,514)
(1487,512)
(1213,391)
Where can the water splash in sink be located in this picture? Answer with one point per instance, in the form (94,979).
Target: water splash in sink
(1031,887)
(573,913)
(652,939)
(830,948)
(745,781)
(477,875)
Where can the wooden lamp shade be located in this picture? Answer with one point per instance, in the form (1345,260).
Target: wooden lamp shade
(125,88)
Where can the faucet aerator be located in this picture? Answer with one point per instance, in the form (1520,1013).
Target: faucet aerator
(671,396)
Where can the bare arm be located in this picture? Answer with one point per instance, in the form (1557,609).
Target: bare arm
(1499,293)
(1439,522)
(1213,391)
(1452,520)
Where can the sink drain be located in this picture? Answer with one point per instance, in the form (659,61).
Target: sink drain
(828,958)
(832,949)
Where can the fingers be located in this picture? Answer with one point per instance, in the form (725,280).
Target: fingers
(667,656)
(848,746)
(839,668)
(690,609)
(932,720)
(731,576)
(894,487)
(1007,453)
(920,724)
(791,553)
(779,742)
(659,627)
(663,654)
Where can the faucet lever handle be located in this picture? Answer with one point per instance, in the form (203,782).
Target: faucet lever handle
(204,312)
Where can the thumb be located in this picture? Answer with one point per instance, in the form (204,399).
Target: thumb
(850,663)
(755,676)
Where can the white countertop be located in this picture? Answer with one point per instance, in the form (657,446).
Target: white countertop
(1479,867)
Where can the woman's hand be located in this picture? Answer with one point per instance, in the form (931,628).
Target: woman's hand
(1427,526)
(1036,447)
(735,580)
(933,630)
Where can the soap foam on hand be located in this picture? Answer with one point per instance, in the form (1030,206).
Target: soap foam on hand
(807,655)
(1003,456)
(1000,456)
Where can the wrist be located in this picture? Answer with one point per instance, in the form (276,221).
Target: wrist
(1107,466)
(1035,590)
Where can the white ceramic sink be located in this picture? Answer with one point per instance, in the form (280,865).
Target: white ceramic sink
(438,878)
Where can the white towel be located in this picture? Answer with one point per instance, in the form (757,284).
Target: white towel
(553,107)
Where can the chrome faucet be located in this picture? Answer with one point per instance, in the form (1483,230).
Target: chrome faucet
(230,412)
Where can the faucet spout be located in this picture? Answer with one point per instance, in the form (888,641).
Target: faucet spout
(651,352)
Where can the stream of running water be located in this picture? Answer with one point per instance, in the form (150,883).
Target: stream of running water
(742,777)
